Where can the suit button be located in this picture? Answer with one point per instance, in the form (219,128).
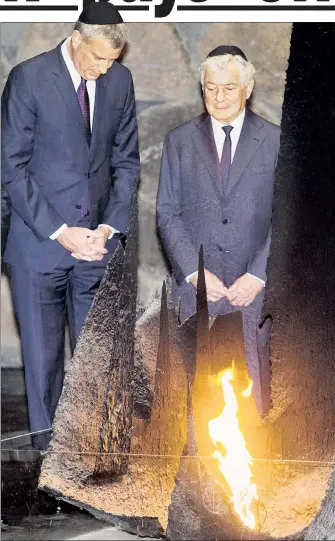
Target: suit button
(225,221)
(89,175)
(78,206)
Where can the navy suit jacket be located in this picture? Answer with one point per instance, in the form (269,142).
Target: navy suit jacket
(47,164)
(193,209)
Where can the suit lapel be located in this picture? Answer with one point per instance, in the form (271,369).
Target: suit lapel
(204,142)
(252,136)
(103,100)
(98,109)
(65,86)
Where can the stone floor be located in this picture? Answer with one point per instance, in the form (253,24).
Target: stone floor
(27,513)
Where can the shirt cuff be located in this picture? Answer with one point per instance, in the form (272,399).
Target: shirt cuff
(188,278)
(113,230)
(58,232)
(260,279)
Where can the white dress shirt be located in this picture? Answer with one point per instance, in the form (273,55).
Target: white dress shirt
(76,78)
(91,86)
(219,137)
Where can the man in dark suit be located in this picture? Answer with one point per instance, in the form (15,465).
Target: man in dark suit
(216,190)
(69,159)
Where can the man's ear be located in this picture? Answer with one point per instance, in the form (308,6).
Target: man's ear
(249,89)
(77,39)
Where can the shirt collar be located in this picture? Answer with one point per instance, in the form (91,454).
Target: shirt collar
(236,124)
(76,78)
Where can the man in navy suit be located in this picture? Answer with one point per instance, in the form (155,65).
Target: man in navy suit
(216,190)
(69,159)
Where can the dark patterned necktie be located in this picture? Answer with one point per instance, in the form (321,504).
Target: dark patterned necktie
(84,103)
(226,156)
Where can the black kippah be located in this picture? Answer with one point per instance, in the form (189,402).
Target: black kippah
(102,12)
(227,49)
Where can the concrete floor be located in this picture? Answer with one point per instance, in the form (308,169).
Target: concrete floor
(67,530)
(29,514)
(106,534)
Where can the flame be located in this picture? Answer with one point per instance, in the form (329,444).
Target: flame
(247,392)
(236,464)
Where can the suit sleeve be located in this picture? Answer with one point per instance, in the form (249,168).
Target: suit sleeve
(125,164)
(257,267)
(180,251)
(18,112)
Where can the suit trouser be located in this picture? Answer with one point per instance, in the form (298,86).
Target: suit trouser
(43,302)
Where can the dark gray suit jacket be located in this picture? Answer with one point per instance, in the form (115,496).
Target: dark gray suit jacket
(233,225)
(47,165)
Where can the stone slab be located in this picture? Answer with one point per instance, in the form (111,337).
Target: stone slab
(159,63)
(41,37)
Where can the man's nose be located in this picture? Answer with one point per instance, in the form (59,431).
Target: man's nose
(220,95)
(103,67)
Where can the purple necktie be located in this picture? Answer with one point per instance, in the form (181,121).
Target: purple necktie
(226,157)
(84,103)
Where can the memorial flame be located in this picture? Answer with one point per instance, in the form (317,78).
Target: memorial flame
(236,464)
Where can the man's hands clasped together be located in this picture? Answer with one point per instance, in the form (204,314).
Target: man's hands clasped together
(215,288)
(85,244)
(244,290)
(241,293)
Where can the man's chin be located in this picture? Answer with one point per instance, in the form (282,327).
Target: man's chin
(91,76)
(223,118)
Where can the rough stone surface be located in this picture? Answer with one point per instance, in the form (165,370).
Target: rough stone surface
(159,63)
(5,69)
(41,37)
(10,37)
(301,289)
(139,499)
(191,34)
(323,526)
(116,421)
(10,343)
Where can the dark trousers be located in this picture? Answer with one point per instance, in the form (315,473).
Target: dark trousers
(43,302)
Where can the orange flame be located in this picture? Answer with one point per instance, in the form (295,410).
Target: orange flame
(236,464)
(247,392)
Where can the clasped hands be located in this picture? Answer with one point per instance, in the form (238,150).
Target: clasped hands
(85,244)
(241,293)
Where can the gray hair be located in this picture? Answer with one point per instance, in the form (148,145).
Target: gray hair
(218,63)
(115,34)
